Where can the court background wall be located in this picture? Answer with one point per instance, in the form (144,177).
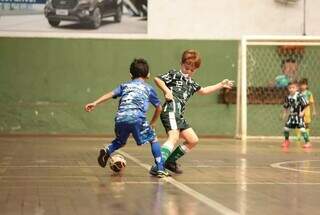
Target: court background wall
(45,82)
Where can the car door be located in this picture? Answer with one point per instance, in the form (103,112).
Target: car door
(108,6)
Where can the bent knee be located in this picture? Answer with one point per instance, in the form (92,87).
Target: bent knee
(286,129)
(173,140)
(303,130)
(193,142)
(173,137)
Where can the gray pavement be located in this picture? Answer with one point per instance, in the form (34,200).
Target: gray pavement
(61,176)
(38,23)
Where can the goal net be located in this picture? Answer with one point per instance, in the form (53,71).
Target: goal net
(267,64)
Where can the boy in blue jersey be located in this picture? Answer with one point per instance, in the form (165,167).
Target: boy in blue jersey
(135,96)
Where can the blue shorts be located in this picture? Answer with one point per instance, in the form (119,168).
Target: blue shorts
(140,130)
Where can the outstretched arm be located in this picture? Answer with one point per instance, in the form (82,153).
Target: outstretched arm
(163,87)
(210,89)
(155,116)
(90,106)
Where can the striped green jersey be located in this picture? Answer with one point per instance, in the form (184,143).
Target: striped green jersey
(295,103)
(182,88)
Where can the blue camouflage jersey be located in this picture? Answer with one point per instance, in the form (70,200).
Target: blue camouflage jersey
(135,97)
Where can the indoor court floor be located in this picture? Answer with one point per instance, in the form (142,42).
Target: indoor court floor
(55,175)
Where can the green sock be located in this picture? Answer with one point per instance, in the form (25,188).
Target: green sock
(305,136)
(176,154)
(286,135)
(165,152)
(308,131)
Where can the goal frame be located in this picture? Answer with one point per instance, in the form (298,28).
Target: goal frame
(263,40)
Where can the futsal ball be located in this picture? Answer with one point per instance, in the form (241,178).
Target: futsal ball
(117,163)
(282,81)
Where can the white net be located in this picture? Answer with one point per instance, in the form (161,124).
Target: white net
(269,69)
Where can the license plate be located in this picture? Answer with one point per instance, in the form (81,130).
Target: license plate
(62,12)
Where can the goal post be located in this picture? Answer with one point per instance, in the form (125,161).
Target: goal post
(266,65)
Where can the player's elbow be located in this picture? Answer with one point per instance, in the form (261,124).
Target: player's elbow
(202,92)
(159,108)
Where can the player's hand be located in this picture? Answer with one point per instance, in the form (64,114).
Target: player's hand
(168,96)
(226,83)
(90,107)
(301,114)
(153,125)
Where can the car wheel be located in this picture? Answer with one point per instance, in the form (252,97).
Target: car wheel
(54,23)
(117,17)
(96,19)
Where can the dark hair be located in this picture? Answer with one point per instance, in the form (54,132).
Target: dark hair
(294,82)
(139,68)
(303,81)
(288,60)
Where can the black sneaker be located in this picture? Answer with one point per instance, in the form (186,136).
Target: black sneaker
(103,158)
(158,173)
(173,167)
(153,170)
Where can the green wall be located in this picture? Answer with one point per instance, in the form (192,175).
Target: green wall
(44,83)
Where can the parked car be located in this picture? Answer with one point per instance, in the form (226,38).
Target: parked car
(83,11)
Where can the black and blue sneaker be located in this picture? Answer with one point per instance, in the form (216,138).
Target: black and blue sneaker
(103,157)
(158,173)
(153,170)
(163,173)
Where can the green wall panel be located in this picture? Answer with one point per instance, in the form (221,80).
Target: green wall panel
(45,82)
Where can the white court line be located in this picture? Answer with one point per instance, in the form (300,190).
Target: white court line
(131,166)
(84,178)
(252,183)
(279,166)
(220,183)
(53,166)
(202,198)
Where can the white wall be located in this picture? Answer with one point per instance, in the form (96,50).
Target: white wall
(313,17)
(230,18)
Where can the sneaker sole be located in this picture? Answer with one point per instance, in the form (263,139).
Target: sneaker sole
(153,173)
(177,172)
(101,158)
(162,175)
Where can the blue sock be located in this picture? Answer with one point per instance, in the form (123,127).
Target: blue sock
(115,145)
(156,151)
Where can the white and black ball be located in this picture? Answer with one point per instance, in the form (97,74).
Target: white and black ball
(117,163)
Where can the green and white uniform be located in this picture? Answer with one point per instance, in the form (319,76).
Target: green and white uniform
(295,104)
(182,87)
